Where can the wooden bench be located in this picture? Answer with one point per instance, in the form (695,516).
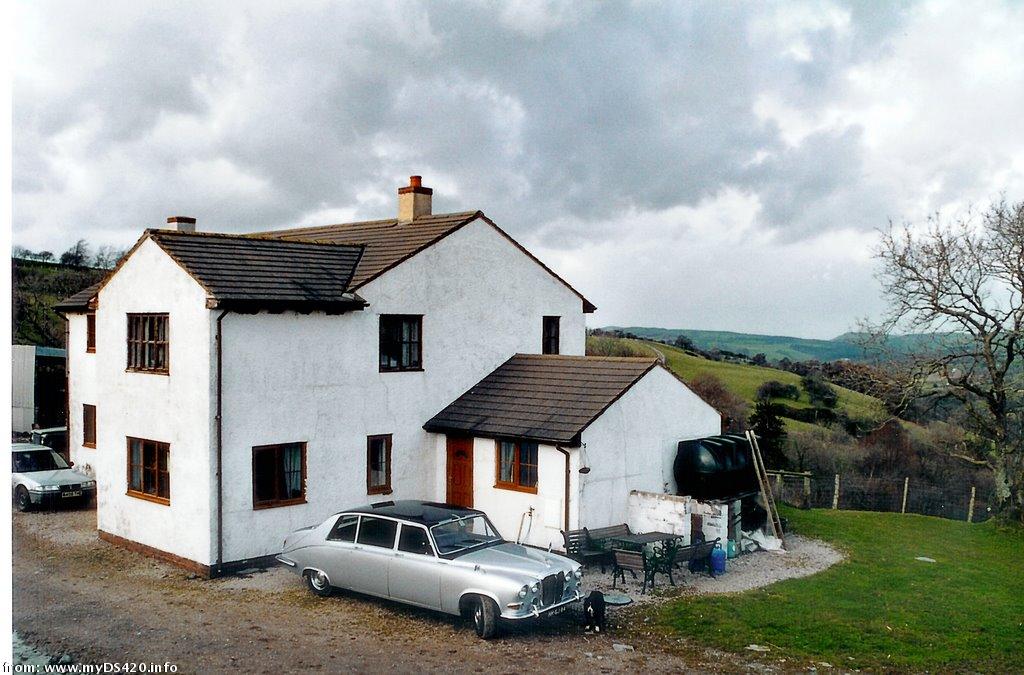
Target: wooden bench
(700,552)
(579,547)
(598,535)
(633,562)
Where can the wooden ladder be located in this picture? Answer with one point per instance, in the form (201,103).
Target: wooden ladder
(766,491)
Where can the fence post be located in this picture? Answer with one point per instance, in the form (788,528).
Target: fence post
(835,494)
(970,507)
(778,485)
(807,491)
(906,485)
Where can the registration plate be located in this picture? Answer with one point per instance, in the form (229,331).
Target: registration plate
(72,493)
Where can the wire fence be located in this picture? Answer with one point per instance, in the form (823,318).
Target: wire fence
(861,493)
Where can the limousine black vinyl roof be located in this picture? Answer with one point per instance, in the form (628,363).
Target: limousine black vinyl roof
(424,513)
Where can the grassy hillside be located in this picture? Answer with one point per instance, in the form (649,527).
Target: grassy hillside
(744,380)
(36,287)
(774,347)
(881,609)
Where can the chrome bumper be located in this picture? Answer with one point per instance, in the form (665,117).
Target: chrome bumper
(285,561)
(533,612)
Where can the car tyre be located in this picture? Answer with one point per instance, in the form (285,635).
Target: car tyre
(484,614)
(22,501)
(318,583)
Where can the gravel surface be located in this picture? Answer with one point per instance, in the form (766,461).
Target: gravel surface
(802,558)
(89,601)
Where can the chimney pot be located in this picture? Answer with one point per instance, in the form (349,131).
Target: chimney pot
(414,200)
(182,223)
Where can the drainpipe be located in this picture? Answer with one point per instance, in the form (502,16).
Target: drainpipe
(565,516)
(220,442)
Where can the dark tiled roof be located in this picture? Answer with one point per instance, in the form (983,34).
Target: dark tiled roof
(389,242)
(79,302)
(549,399)
(247,273)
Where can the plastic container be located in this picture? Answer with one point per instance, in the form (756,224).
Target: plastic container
(732,549)
(718,556)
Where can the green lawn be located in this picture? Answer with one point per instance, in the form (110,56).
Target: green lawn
(882,609)
(743,380)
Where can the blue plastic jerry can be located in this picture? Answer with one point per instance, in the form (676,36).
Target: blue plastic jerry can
(718,557)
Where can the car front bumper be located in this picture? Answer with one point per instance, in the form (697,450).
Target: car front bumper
(54,498)
(533,611)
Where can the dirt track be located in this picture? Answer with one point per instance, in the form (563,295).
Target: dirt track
(76,595)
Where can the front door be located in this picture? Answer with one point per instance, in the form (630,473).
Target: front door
(460,471)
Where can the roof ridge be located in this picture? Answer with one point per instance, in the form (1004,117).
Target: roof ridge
(156,232)
(588,357)
(454,215)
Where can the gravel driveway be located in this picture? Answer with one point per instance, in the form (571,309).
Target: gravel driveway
(75,595)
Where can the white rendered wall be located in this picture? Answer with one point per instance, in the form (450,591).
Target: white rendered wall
(171,408)
(82,388)
(632,445)
(23,387)
(314,378)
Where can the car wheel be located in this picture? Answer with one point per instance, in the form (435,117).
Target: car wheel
(318,583)
(484,613)
(21,498)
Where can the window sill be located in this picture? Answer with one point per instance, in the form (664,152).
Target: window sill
(90,350)
(276,504)
(401,370)
(89,445)
(146,371)
(379,491)
(149,498)
(515,488)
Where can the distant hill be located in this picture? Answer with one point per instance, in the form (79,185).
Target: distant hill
(36,287)
(778,347)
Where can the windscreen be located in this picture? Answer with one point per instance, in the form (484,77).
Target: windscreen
(462,534)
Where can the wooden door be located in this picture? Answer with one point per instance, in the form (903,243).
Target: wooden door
(460,471)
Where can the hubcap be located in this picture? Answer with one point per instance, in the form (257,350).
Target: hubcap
(478,615)
(319,580)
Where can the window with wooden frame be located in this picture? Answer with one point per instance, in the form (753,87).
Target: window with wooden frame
(401,342)
(517,465)
(550,340)
(90,332)
(378,464)
(148,344)
(278,475)
(149,474)
(88,425)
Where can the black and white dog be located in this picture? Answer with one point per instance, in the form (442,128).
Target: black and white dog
(593,610)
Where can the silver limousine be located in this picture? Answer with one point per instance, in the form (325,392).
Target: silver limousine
(437,556)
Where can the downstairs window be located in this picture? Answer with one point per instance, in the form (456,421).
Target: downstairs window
(278,475)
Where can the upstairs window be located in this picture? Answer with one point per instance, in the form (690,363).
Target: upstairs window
(517,465)
(147,343)
(550,340)
(278,475)
(149,475)
(90,332)
(401,345)
(89,425)
(378,465)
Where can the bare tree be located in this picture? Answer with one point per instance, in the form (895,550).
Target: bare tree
(962,283)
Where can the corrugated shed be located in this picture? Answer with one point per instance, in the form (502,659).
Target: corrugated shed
(544,398)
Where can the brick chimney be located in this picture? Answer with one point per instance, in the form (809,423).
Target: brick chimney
(413,200)
(182,223)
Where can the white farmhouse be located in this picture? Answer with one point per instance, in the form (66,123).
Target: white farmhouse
(226,389)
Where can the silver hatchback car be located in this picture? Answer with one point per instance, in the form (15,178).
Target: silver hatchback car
(41,477)
(437,556)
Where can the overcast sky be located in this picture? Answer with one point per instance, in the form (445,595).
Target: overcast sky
(714,165)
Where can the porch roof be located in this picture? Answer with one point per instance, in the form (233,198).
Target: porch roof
(543,398)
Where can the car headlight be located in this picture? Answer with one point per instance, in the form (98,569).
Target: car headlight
(523,591)
(88,483)
(578,573)
(50,488)
(535,587)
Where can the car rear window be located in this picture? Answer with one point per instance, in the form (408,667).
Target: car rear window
(377,532)
(344,529)
(414,540)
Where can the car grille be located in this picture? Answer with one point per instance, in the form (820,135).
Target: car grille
(69,488)
(552,588)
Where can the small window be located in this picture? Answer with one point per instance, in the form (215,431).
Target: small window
(89,425)
(401,343)
(378,464)
(377,532)
(414,540)
(148,343)
(344,529)
(550,339)
(90,332)
(517,465)
(149,475)
(278,475)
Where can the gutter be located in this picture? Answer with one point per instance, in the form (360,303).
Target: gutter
(565,501)
(220,441)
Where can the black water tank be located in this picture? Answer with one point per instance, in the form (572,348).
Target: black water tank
(717,467)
